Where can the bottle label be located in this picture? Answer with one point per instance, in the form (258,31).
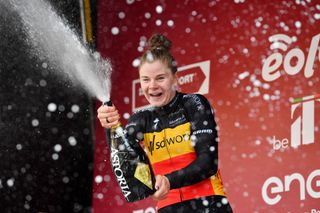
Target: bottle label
(115,161)
(143,174)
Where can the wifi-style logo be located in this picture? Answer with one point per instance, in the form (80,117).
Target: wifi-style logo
(272,64)
(280,41)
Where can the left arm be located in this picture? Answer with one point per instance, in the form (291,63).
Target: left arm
(204,137)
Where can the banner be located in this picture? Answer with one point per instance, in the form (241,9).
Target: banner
(257,62)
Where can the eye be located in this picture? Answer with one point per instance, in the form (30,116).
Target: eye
(145,80)
(160,78)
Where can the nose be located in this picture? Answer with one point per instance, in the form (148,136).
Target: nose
(153,84)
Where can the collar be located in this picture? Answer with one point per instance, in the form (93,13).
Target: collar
(171,105)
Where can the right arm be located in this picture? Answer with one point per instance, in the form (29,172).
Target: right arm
(109,117)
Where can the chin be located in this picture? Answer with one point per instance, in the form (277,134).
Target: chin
(156,104)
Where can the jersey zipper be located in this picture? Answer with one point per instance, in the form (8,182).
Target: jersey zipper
(168,151)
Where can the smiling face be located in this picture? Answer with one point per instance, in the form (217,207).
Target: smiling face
(158,83)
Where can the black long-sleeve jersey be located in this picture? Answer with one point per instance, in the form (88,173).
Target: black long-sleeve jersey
(180,140)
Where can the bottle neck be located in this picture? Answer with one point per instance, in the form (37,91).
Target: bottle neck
(116,126)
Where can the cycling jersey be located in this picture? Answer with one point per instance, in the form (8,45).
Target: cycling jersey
(180,140)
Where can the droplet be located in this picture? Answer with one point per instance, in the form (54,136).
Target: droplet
(57,148)
(115,30)
(107,178)
(140,49)
(170,23)
(44,65)
(159,9)
(158,22)
(98,179)
(43,83)
(35,122)
(126,115)
(298,24)
(121,147)
(317,16)
(52,107)
(136,62)
(28,197)
(10,182)
(65,179)
(205,202)
(70,115)
(26,206)
(18,146)
(75,108)
(121,15)
(100,196)
(61,108)
(147,15)
(55,156)
(224,201)
(150,57)
(72,141)
(126,100)
(245,50)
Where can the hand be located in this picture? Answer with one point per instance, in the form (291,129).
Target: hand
(162,186)
(108,116)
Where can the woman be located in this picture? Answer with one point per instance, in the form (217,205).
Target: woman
(178,134)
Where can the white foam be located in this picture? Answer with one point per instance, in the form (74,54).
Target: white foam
(52,38)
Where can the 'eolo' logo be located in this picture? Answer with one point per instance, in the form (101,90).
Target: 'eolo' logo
(303,123)
(302,129)
(271,66)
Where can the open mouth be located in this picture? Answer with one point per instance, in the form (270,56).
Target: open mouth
(156,94)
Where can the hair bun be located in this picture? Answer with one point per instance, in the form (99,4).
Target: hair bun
(159,41)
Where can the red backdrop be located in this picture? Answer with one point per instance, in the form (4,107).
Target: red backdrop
(258,64)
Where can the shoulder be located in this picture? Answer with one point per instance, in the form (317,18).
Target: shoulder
(140,115)
(196,101)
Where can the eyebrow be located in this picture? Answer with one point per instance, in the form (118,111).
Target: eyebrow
(163,74)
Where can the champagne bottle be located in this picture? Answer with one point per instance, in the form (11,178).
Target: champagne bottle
(130,165)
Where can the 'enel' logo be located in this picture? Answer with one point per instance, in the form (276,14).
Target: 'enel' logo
(273,188)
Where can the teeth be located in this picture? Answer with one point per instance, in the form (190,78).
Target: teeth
(156,95)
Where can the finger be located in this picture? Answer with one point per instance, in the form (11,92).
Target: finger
(112,119)
(102,115)
(110,125)
(105,109)
(112,114)
(102,109)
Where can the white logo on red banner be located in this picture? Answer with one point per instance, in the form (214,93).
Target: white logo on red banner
(270,69)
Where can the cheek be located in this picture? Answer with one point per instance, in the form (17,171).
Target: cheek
(144,87)
(170,86)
